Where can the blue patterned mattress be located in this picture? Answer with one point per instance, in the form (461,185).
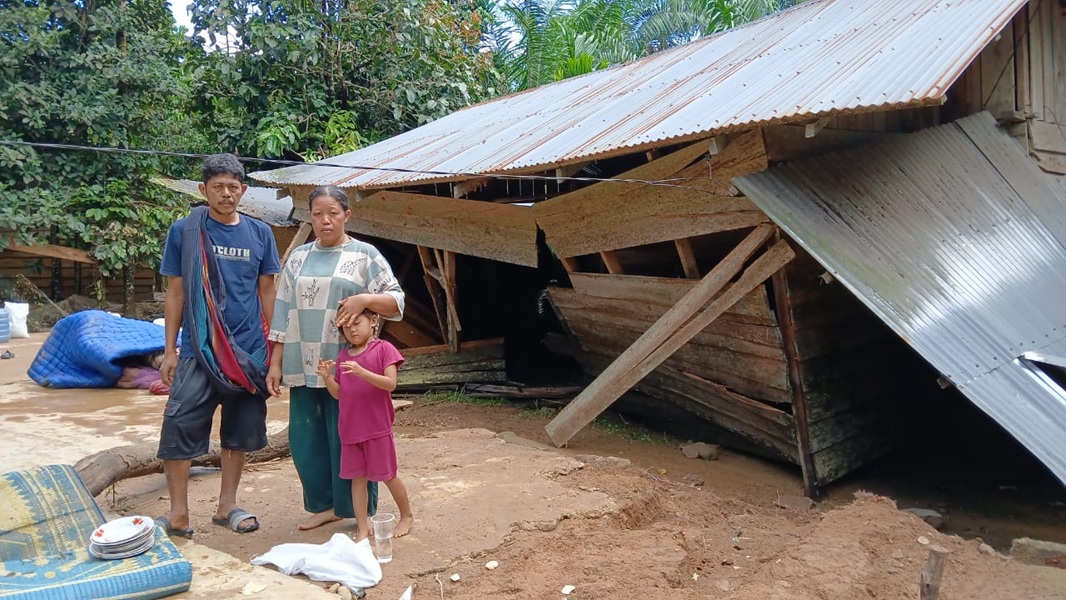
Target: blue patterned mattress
(46,516)
(85,349)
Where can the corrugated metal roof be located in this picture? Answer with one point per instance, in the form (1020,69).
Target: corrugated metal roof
(819,58)
(954,239)
(258,202)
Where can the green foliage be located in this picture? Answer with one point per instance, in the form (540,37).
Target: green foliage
(549,40)
(98,73)
(314,79)
(449,397)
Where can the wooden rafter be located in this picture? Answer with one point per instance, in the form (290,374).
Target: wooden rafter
(688,259)
(610,260)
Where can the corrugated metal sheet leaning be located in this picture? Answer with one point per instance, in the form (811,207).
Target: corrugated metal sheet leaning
(954,239)
(820,58)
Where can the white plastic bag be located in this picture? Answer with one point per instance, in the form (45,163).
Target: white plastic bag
(18,312)
(340,559)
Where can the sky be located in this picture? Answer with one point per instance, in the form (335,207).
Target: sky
(181,13)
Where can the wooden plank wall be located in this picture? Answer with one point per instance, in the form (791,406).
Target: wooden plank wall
(732,373)
(39,270)
(1047,77)
(851,365)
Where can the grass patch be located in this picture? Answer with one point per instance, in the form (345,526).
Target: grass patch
(615,426)
(542,412)
(447,397)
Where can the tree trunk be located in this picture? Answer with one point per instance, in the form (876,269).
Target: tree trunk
(107,467)
(129,292)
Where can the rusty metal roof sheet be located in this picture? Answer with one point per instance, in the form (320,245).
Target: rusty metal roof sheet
(258,202)
(822,57)
(955,240)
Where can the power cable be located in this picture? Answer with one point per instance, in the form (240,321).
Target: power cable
(112,150)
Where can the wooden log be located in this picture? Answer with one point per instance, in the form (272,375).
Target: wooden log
(933,572)
(617,378)
(107,467)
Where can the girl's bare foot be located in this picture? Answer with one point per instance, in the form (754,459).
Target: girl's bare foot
(404,526)
(318,520)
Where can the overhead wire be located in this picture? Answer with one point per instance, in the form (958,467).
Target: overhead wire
(671,182)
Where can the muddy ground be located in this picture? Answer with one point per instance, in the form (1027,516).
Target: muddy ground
(661,526)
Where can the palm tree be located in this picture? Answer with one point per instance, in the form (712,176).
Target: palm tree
(549,40)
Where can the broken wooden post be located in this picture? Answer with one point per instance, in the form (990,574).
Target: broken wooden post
(607,387)
(299,239)
(933,572)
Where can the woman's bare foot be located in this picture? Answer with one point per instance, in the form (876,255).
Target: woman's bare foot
(318,520)
(404,526)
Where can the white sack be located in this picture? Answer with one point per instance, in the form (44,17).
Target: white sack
(18,312)
(340,559)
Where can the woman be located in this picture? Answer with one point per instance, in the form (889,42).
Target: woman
(324,285)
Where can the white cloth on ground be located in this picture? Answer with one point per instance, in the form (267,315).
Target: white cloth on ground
(340,560)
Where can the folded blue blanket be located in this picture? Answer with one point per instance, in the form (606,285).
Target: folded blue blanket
(85,349)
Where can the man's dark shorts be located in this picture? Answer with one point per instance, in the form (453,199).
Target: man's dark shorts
(186,432)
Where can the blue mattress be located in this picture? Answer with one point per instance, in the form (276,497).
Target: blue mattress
(46,517)
(85,349)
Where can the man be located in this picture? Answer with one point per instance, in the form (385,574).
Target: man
(220,268)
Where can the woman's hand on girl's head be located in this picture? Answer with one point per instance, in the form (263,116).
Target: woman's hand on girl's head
(325,368)
(350,308)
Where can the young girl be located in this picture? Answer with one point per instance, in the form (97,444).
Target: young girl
(366,376)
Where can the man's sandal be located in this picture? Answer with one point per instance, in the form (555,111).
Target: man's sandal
(233,521)
(171,530)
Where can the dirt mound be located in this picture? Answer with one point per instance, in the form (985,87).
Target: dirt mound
(869,549)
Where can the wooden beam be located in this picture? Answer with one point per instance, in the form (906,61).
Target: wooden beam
(1023,95)
(610,260)
(54,251)
(300,238)
(783,301)
(611,383)
(614,215)
(997,74)
(464,188)
(812,129)
(688,259)
(489,230)
(446,264)
(718,143)
(433,286)
(570,170)
(570,264)
(789,142)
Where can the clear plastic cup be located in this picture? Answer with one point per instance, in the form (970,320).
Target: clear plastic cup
(383,525)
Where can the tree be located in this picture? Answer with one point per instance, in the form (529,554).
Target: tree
(310,79)
(556,39)
(100,73)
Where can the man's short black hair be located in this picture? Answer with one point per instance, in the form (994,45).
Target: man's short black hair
(221,164)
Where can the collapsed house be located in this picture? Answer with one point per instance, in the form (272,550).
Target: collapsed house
(764,228)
